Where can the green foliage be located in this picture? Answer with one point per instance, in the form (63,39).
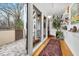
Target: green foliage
(56,23)
(19,24)
(59,34)
(65,27)
(75,22)
(74,10)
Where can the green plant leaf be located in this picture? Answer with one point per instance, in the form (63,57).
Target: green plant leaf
(19,24)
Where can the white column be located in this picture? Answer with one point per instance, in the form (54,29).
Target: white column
(46,27)
(30,28)
(70,13)
(69,26)
(50,27)
(42,37)
(25,21)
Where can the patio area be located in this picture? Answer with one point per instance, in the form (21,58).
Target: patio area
(16,48)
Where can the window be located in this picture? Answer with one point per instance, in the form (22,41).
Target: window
(36,26)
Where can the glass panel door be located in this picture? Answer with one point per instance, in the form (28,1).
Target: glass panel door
(44,24)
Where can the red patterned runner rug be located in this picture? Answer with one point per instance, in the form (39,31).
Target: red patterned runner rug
(53,48)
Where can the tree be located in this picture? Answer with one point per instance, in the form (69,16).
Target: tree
(6,16)
(13,9)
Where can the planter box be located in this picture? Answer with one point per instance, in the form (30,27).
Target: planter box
(18,34)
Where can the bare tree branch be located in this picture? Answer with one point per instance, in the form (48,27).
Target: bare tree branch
(11,9)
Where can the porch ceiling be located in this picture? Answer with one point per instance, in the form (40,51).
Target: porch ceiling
(52,8)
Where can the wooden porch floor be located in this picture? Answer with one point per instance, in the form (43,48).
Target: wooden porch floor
(65,50)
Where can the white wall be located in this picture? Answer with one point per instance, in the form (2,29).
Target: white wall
(7,36)
(71,39)
(71,26)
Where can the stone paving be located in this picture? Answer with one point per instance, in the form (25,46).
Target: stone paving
(16,48)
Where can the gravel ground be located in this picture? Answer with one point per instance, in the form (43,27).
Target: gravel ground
(16,48)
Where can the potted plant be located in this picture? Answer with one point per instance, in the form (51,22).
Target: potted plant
(57,25)
(59,35)
(18,29)
(64,27)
